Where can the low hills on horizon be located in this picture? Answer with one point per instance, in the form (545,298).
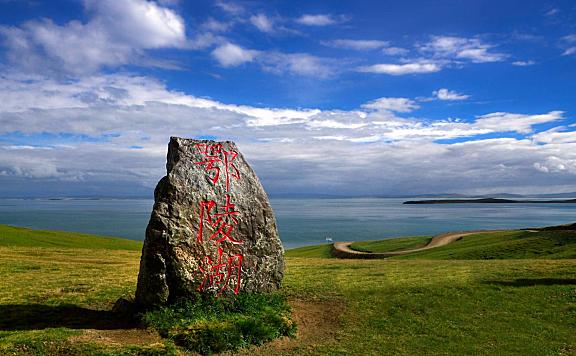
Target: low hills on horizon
(490,201)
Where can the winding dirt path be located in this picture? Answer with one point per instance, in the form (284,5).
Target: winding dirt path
(343,250)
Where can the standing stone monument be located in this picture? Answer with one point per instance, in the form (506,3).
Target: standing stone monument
(212,230)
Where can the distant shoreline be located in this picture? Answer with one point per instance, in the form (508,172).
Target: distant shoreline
(490,201)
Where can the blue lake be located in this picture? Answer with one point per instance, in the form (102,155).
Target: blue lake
(300,221)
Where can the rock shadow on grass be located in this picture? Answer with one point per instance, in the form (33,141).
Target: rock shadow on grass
(15,317)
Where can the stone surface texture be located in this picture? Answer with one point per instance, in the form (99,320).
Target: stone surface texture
(212,229)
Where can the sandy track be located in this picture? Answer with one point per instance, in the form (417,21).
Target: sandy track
(343,250)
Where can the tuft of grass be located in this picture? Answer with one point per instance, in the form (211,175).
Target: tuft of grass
(393,244)
(23,237)
(208,325)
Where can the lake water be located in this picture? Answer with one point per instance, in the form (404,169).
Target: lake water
(300,221)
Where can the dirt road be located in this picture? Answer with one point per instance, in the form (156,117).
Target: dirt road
(343,250)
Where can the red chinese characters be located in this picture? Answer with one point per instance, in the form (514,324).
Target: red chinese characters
(223,223)
(214,154)
(226,271)
(222,274)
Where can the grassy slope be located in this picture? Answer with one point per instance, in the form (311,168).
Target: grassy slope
(54,283)
(401,306)
(505,245)
(496,245)
(388,245)
(503,307)
(320,251)
(22,237)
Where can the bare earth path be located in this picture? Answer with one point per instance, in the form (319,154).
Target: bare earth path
(343,250)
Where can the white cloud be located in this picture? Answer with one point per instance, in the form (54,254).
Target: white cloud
(459,48)
(554,164)
(230,7)
(337,138)
(401,69)
(479,55)
(203,40)
(140,23)
(395,51)
(296,63)
(567,42)
(291,149)
(231,55)
(117,33)
(333,124)
(319,20)
(25,147)
(555,135)
(216,26)
(510,122)
(359,45)
(523,63)
(262,23)
(449,95)
(391,104)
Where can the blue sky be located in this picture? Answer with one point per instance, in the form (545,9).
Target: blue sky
(346,97)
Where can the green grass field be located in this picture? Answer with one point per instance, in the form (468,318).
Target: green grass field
(390,245)
(21,237)
(510,293)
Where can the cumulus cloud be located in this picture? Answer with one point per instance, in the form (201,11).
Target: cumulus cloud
(503,121)
(438,53)
(231,55)
(301,64)
(117,33)
(88,128)
(401,69)
(556,135)
(392,104)
(138,22)
(460,48)
(449,95)
(554,164)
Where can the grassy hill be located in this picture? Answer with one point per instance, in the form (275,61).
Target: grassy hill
(389,245)
(57,294)
(22,237)
(505,245)
(516,244)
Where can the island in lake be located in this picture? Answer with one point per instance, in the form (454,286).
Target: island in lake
(489,201)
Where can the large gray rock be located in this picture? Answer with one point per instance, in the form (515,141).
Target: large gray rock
(212,229)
